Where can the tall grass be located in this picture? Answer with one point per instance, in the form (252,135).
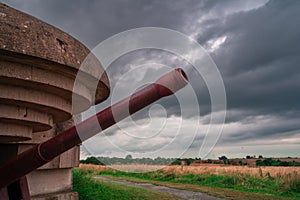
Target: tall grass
(202,169)
(229,170)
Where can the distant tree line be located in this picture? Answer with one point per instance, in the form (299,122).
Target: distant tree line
(91,160)
(184,161)
(187,161)
(258,161)
(271,162)
(130,160)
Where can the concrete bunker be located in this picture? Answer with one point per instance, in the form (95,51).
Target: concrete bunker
(38,66)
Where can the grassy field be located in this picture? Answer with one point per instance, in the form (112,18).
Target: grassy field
(230,182)
(90,189)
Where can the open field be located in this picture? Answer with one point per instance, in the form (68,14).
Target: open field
(202,169)
(229,182)
(127,168)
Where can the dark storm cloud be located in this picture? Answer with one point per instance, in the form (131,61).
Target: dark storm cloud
(260,58)
(283,127)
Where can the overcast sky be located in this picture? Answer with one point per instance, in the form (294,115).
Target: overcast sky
(255,45)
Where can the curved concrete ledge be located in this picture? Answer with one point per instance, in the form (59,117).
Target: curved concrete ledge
(36,99)
(22,115)
(11,132)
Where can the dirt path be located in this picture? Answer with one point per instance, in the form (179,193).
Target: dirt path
(186,194)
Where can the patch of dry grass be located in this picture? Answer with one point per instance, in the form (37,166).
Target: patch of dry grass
(229,170)
(94,168)
(292,172)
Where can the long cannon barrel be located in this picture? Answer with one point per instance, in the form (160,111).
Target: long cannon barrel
(44,152)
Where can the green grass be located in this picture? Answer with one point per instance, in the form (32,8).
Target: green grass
(281,187)
(90,189)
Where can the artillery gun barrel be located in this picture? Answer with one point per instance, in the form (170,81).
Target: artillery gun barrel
(44,152)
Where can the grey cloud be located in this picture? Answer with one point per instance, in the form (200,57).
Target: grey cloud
(262,128)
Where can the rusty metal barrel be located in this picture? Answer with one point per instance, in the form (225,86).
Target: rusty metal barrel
(46,151)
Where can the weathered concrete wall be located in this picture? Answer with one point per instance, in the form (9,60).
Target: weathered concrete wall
(38,67)
(54,177)
(54,181)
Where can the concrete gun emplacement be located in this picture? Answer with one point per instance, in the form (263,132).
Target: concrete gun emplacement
(39,66)
(42,153)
